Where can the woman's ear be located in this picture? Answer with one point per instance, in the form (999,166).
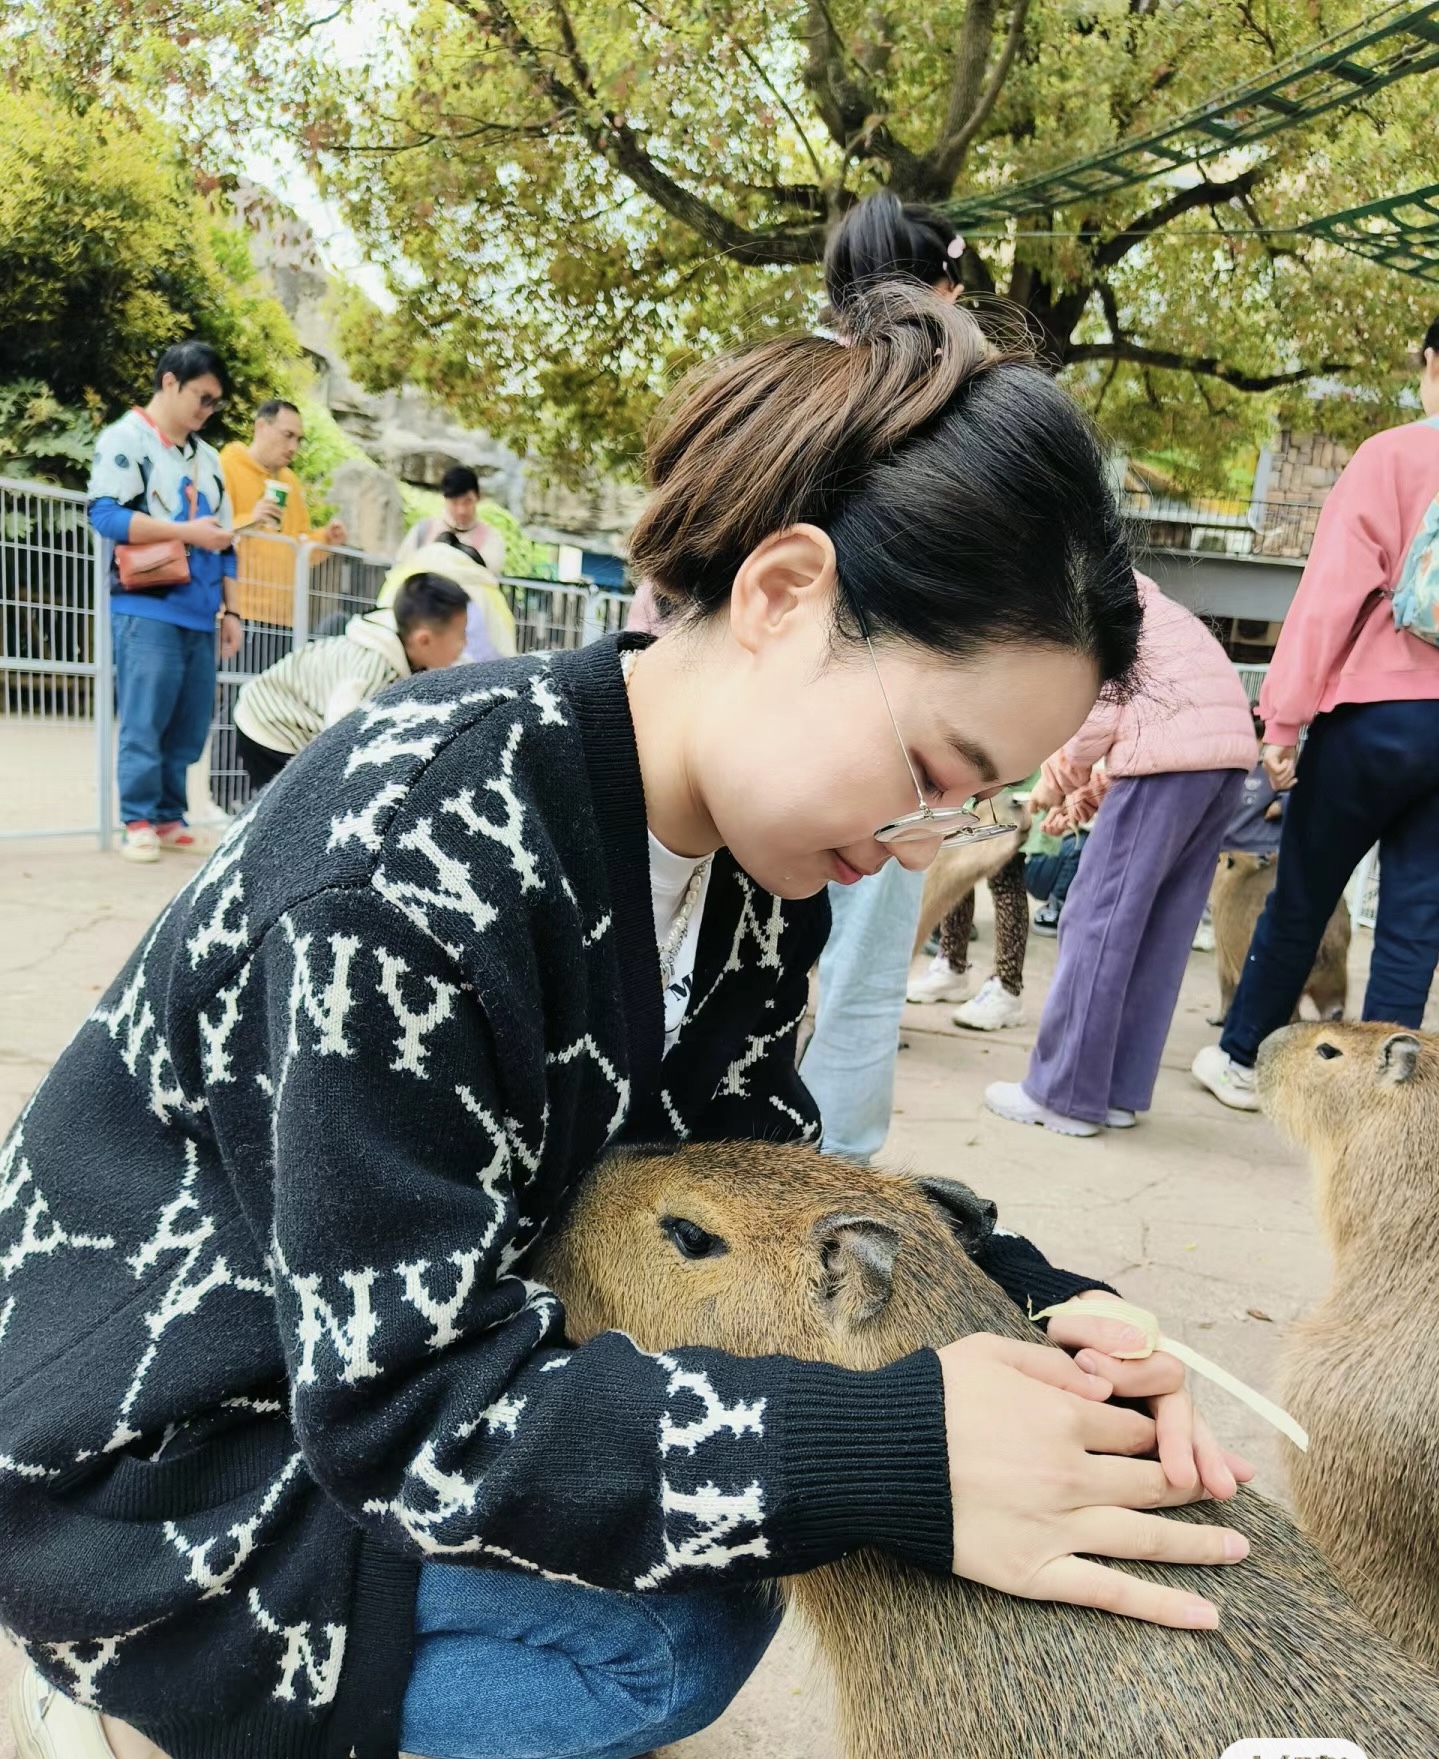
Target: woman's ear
(782,585)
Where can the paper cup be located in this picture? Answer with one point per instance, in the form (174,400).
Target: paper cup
(278,492)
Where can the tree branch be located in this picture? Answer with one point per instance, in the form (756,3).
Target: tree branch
(850,107)
(615,141)
(783,103)
(969,110)
(1185,201)
(1121,349)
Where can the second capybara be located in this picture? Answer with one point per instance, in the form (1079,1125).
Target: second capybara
(1236,898)
(1361,1372)
(757,1249)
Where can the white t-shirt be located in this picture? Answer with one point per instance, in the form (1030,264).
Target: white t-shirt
(670,877)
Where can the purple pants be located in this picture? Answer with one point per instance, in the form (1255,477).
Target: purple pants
(1124,941)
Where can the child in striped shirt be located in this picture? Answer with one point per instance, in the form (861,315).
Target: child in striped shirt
(293,701)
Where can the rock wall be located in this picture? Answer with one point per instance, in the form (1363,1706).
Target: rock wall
(1302,468)
(404,433)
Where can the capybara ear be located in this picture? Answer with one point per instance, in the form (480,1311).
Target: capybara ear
(971,1219)
(858,1255)
(1398,1058)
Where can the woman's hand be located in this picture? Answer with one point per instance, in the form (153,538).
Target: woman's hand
(1188,1452)
(1280,766)
(1039,1475)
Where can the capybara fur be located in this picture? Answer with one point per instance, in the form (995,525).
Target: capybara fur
(1241,885)
(1361,1372)
(824,1260)
(960,868)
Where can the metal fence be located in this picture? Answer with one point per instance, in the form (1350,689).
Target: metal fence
(56,695)
(287,591)
(55,724)
(1282,529)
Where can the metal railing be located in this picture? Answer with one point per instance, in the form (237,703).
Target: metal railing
(56,694)
(56,723)
(1283,530)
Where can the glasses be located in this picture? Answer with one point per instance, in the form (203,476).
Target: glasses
(209,401)
(974,822)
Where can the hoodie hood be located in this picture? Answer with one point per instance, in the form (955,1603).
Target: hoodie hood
(376,630)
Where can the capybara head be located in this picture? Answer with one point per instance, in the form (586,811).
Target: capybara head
(756,1248)
(1364,1100)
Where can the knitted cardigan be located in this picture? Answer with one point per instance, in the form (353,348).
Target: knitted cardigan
(267,1338)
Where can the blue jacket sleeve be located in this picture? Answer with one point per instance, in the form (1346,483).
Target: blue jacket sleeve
(110,519)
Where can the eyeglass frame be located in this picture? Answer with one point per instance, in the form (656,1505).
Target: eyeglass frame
(922,826)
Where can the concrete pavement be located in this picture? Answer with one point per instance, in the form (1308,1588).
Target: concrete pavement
(1199,1213)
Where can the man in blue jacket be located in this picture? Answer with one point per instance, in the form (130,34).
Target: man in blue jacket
(154,480)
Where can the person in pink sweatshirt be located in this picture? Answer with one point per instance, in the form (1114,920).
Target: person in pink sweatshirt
(1176,755)
(1369,695)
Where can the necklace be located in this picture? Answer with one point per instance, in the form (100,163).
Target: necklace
(675,939)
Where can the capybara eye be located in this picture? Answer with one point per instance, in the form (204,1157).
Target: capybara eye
(1326,1050)
(690,1239)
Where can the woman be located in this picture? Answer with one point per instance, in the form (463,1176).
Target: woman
(1368,691)
(1175,756)
(272,1353)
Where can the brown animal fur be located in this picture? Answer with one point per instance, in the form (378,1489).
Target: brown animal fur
(1241,884)
(960,869)
(1361,1373)
(854,1266)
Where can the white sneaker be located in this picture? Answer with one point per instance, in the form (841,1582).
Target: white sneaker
(1007,1099)
(1230,1082)
(1118,1118)
(992,1008)
(139,842)
(1203,941)
(939,982)
(48,1725)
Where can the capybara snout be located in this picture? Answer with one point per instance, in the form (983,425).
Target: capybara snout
(750,1247)
(1325,1084)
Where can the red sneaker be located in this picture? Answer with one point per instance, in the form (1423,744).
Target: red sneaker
(177,835)
(139,842)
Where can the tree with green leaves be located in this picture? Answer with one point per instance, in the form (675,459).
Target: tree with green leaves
(109,253)
(573,198)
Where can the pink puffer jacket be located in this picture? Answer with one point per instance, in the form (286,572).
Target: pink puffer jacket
(1190,711)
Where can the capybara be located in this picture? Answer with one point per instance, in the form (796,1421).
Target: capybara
(1361,1372)
(960,868)
(821,1259)
(1241,884)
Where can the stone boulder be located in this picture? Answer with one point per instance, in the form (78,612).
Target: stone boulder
(368,500)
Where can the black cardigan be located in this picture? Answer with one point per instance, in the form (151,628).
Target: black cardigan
(267,1342)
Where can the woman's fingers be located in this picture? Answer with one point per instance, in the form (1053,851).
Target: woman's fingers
(1243,1470)
(1053,1367)
(1174,1422)
(1112,1429)
(1082,1583)
(1111,1481)
(1148,1378)
(1215,1472)
(1153,1538)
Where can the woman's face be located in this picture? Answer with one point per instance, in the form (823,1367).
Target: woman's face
(798,761)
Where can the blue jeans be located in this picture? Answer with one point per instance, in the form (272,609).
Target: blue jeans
(165,697)
(1369,773)
(848,1064)
(1049,877)
(510,1666)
